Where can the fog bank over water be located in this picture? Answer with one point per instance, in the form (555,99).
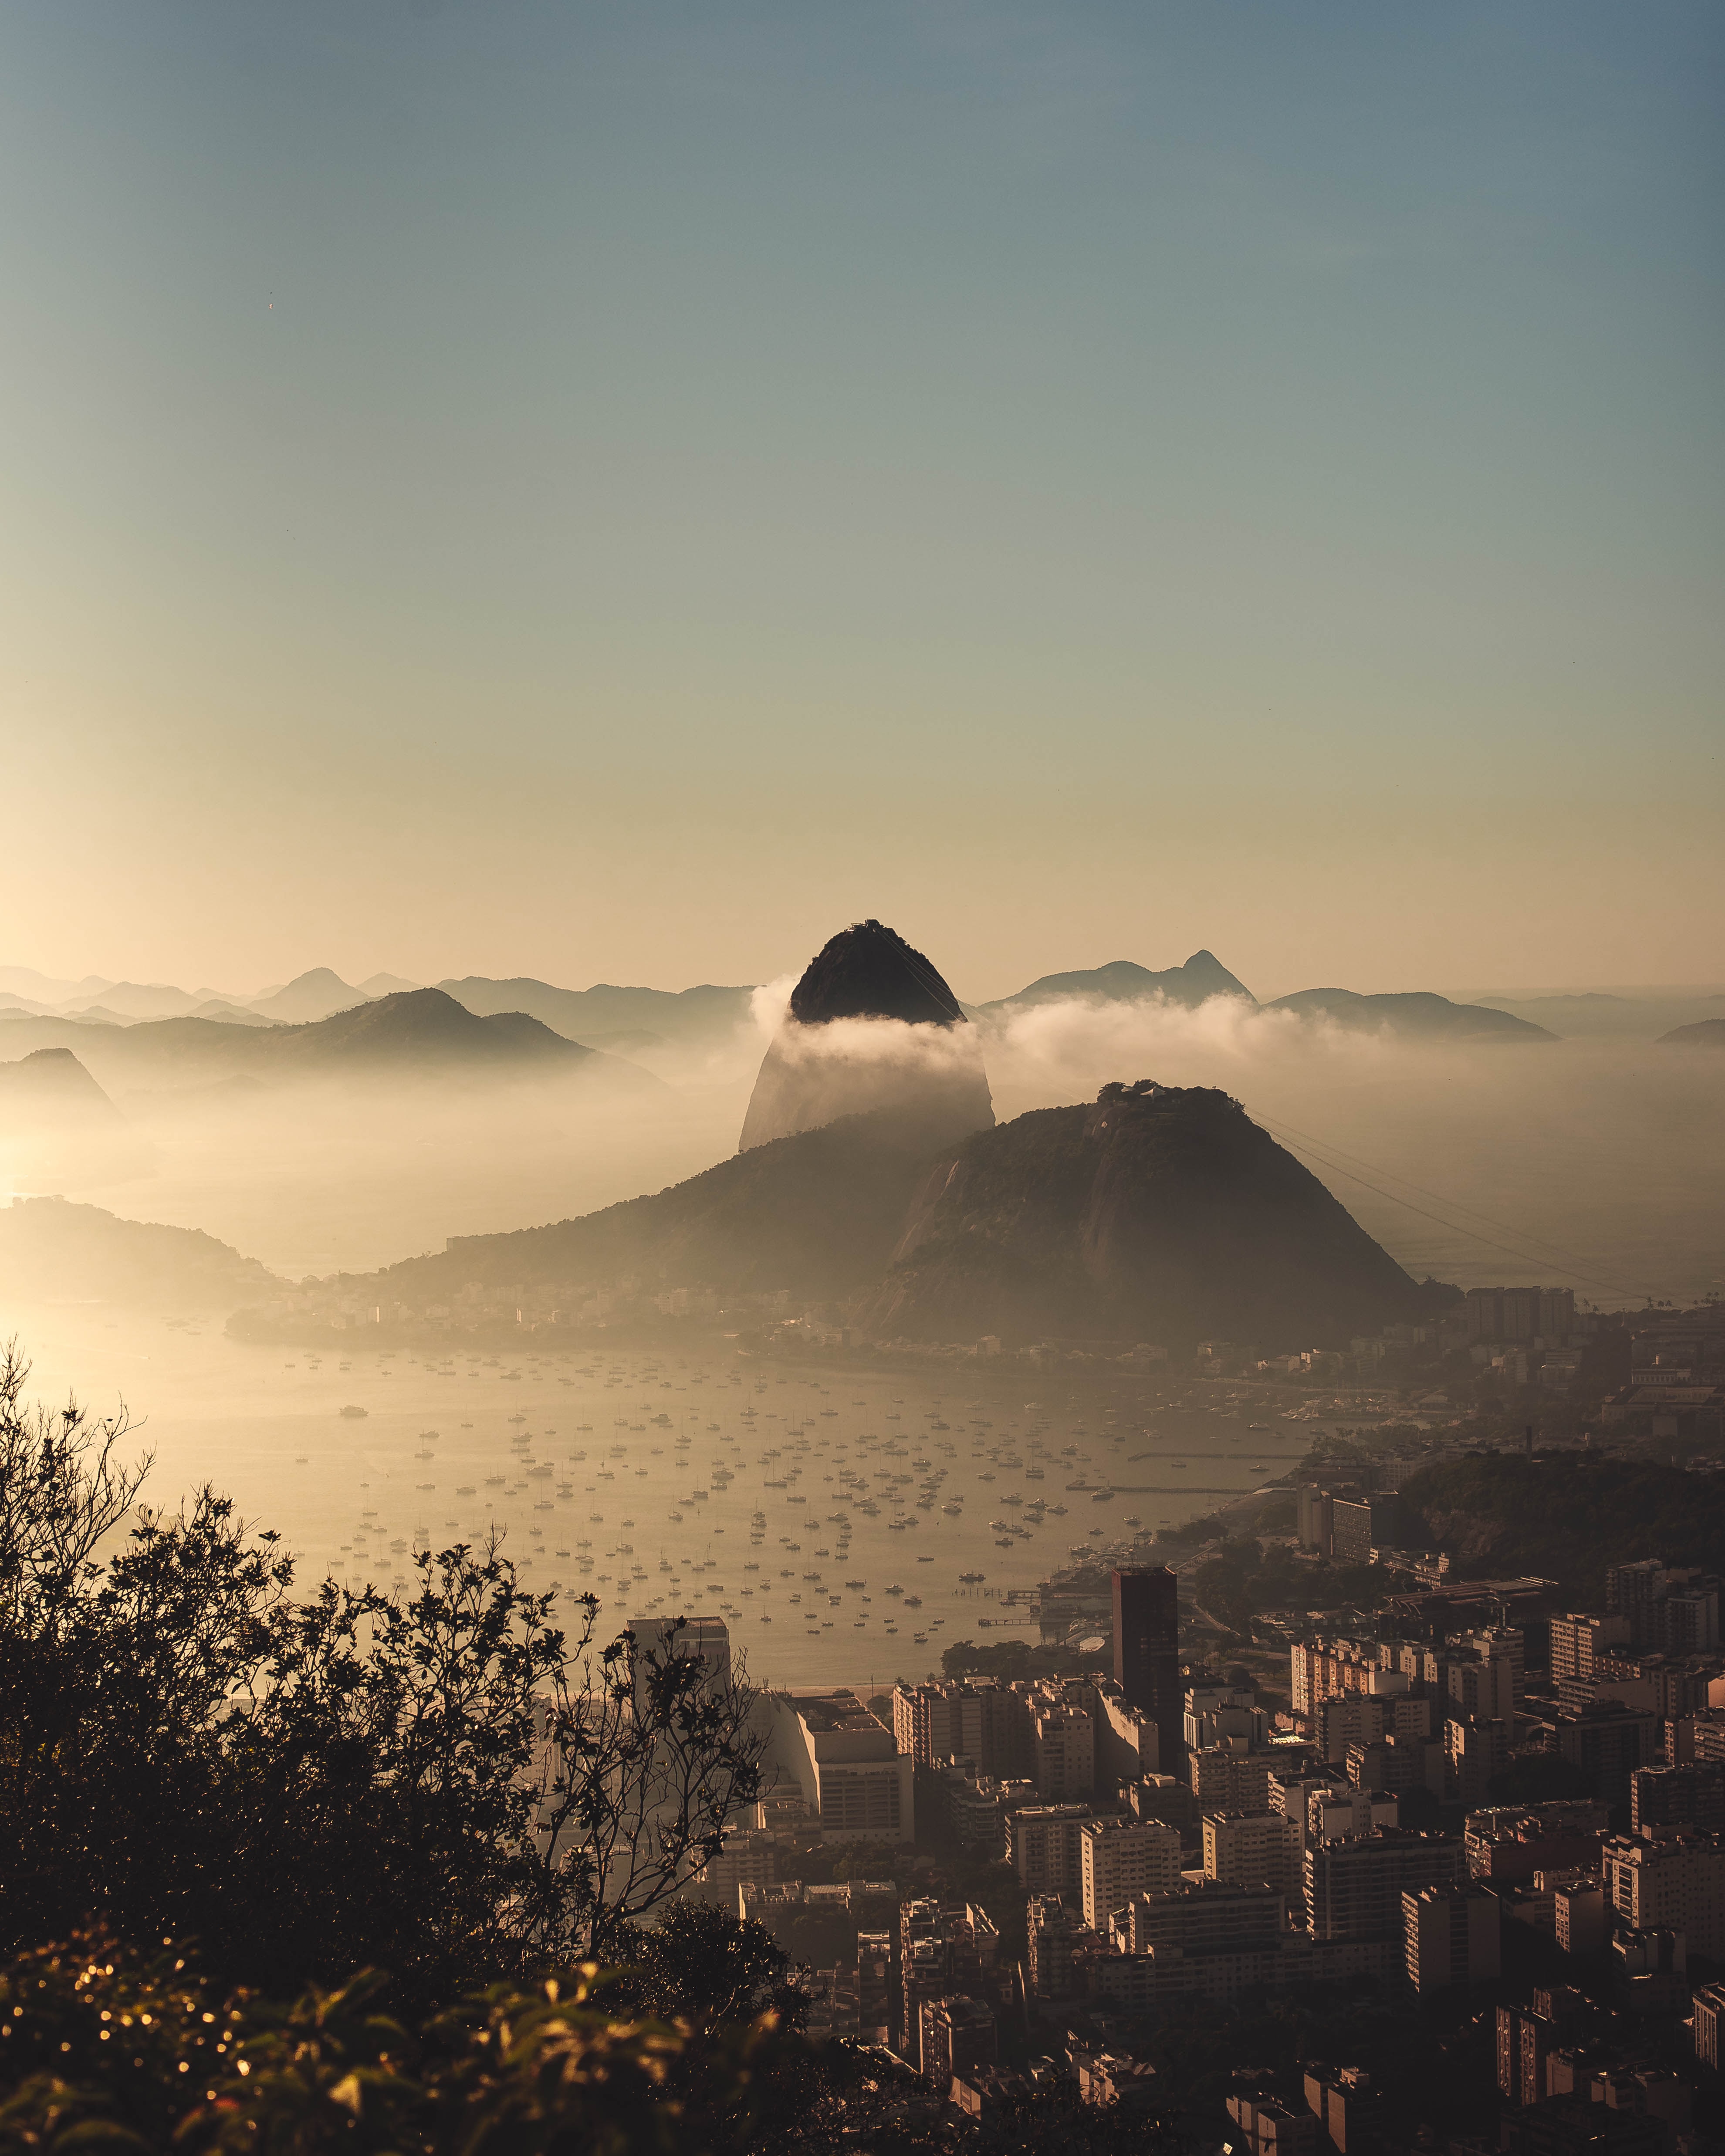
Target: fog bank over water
(1597,1162)
(1605,1159)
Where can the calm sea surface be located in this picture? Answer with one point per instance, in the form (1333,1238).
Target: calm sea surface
(793,1501)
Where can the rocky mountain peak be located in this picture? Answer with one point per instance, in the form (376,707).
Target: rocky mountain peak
(915,1056)
(869,971)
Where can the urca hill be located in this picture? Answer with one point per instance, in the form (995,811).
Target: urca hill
(1158,1214)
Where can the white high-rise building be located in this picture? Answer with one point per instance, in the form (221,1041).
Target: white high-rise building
(853,1777)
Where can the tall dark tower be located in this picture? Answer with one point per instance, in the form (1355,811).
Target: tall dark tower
(1147,1653)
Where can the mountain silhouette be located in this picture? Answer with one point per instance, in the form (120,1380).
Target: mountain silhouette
(1705,1033)
(307,998)
(1158,1214)
(422,1030)
(140,1000)
(1122,980)
(50,1247)
(914,1053)
(684,1016)
(49,1085)
(820,1211)
(869,971)
(45,990)
(421,1034)
(1163,1214)
(1415,1015)
(225,1014)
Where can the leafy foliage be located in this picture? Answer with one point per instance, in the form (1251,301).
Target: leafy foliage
(1192,1534)
(1243,1578)
(649,1754)
(1011,1659)
(699,1964)
(441,1783)
(1565,1518)
(105,2050)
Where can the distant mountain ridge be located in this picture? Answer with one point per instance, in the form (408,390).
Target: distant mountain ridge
(45,987)
(51,1085)
(307,998)
(146,999)
(1415,1014)
(647,1020)
(421,1028)
(420,1034)
(1602,1014)
(679,1015)
(1123,980)
(50,1247)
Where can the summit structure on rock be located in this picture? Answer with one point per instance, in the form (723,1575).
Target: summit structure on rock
(871,1026)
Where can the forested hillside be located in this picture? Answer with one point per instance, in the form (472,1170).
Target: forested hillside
(1565,1517)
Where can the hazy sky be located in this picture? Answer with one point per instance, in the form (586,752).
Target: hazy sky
(617,491)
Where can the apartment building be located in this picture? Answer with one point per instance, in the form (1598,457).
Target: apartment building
(1398,1765)
(1201,1917)
(1450,1936)
(1581,1638)
(1506,1844)
(1674,1884)
(747,1857)
(1225,1779)
(943,1953)
(1052,1932)
(1063,1756)
(854,1778)
(1043,1846)
(987,1724)
(1253,1849)
(959,2033)
(1119,1858)
(1268,2127)
(1128,1741)
(1692,1796)
(1354,1888)
(1348,1719)
(1710,2025)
